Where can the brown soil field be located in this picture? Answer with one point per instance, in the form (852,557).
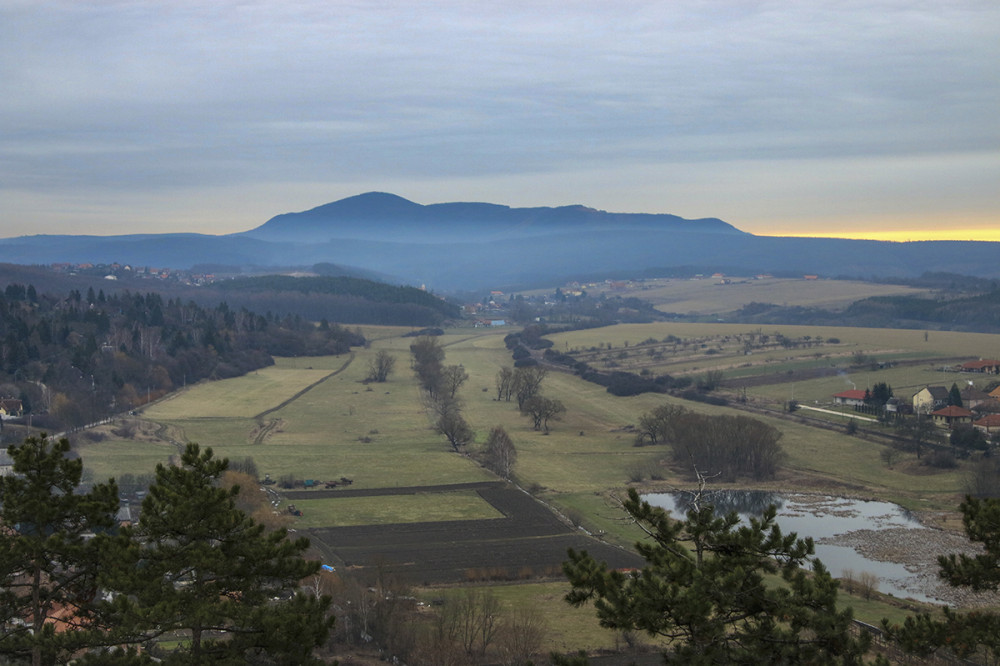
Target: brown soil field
(530,541)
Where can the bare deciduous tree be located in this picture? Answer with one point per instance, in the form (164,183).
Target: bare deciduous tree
(500,454)
(541,410)
(505,383)
(380,367)
(527,382)
(455,429)
(452,378)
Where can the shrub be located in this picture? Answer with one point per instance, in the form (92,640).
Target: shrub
(941,460)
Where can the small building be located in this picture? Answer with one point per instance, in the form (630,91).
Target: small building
(989,424)
(985,366)
(973,397)
(898,406)
(927,399)
(952,416)
(991,406)
(852,397)
(11,407)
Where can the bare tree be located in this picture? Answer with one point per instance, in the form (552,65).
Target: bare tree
(656,427)
(868,584)
(505,383)
(500,454)
(380,367)
(521,635)
(455,429)
(452,378)
(541,409)
(527,382)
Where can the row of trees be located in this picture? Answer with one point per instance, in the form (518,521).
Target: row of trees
(440,385)
(195,569)
(524,385)
(728,447)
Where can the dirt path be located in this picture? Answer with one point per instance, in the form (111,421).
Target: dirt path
(301,393)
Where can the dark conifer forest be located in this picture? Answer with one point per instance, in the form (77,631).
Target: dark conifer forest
(79,357)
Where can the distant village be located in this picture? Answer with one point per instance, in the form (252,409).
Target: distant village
(947,407)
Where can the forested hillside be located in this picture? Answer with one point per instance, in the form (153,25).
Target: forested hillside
(77,358)
(954,312)
(342,298)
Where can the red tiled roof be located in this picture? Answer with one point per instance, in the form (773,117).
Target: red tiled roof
(978,365)
(952,411)
(852,394)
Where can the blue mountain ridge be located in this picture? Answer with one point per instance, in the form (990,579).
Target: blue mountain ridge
(460,245)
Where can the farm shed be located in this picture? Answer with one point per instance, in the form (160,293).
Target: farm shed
(987,366)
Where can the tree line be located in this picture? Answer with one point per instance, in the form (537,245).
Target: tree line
(722,446)
(351,299)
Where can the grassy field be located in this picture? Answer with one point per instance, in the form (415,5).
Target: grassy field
(457,505)
(315,418)
(709,295)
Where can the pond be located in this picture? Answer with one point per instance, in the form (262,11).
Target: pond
(827,520)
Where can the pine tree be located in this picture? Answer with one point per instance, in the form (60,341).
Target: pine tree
(705,589)
(954,396)
(50,552)
(198,568)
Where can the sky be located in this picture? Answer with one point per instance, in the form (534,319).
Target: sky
(875,118)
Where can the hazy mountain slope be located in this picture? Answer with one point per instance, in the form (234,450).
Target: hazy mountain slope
(454,246)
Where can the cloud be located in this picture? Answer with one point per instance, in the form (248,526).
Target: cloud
(202,98)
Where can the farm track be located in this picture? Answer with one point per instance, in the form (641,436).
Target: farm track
(301,393)
(529,540)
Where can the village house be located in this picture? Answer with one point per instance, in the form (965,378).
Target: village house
(988,425)
(991,406)
(11,407)
(851,398)
(930,398)
(973,397)
(952,416)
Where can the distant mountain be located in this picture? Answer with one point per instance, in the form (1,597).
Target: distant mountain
(459,246)
(381,216)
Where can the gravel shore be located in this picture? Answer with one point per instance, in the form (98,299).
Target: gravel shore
(917,549)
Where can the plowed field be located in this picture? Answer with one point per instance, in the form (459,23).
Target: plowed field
(529,541)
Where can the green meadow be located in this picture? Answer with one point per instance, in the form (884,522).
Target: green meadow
(315,418)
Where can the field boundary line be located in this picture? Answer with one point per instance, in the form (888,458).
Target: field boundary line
(301,393)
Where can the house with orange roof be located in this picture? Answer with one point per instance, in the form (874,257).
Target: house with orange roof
(988,424)
(986,366)
(952,416)
(852,397)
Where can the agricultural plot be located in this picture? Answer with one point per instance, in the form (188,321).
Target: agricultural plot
(714,296)
(527,541)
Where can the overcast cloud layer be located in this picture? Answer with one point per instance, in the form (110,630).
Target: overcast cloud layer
(787,117)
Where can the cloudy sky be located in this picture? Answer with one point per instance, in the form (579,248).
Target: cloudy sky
(878,118)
